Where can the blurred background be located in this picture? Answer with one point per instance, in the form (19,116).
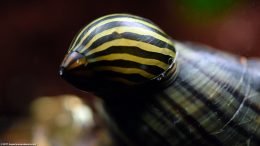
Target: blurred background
(35,35)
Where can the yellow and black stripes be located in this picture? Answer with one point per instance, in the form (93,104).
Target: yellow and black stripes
(128,38)
(110,18)
(117,26)
(144,42)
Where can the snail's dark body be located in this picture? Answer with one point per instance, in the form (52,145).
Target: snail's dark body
(202,97)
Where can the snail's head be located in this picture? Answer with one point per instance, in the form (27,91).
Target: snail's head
(116,52)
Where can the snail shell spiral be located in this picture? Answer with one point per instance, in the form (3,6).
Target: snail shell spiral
(160,92)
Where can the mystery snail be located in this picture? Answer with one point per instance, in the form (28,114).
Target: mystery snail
(156,91)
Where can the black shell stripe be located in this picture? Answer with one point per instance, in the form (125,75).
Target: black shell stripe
(126,63)
(131,36)
(140,60)
(109,17)
(133,51)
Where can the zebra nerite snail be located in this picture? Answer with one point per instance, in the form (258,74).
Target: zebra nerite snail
(160,92)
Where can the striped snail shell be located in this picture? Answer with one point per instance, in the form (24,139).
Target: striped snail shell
(160,92)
